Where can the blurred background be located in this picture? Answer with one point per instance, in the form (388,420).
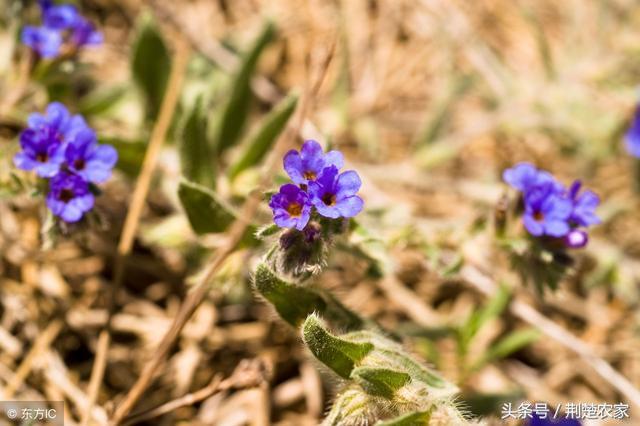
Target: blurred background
(430,100)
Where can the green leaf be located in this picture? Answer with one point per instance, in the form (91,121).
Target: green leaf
(207,213)
(196,156)
(264,138)
(338,354)
(380,381)
(293,303)
(506,346)
(416,370)
(494,307)
(101,100)
(150,64)
(236,110)
(267,231)
(308,300)
(419,418)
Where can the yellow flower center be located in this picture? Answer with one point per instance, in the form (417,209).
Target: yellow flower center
(294,209)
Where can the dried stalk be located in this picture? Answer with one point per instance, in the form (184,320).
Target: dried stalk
(132,219)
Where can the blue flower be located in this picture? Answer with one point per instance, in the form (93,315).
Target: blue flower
(632,137)
(291,207)
(546,212)
(69,197)
(40,153)
(86,158)
(85,33)
(584,205)
(523,176)
(550,209)
(61,17)
(57,123)
(62,25)
(44,41)
(334,195)
(305,166)
(45,140)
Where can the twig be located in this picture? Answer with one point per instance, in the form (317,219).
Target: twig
(188,399)
(236,232)
(132,219)
(525,312)
(41,344)
(247,374)
(57,374)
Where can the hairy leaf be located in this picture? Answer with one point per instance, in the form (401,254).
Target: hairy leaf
(338,354)
(236,110)
(380,381)
(292,302)
(150,64)
(196,155)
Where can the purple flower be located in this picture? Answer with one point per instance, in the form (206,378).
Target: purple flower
(86,158)
(305,166)
(632,137)
(61,17)
(44,141)
(584,206)
(523,176)
(69,197)
(40,153)
(546,212)
(57,123)
(44,41)
(334,195)
(291,207)
(576,238)
(62,24)
(85,33)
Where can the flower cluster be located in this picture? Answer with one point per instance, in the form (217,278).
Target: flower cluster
(552,210)
(61,24)
(632,136)
(63,148)
(317,182)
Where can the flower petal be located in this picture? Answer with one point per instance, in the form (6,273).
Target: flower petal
(555,227)
(24,162)
(534,227)
(520,175)
(326,211)
(292,163)
(348,183)
(334,158)
(350,206)
(71,213)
